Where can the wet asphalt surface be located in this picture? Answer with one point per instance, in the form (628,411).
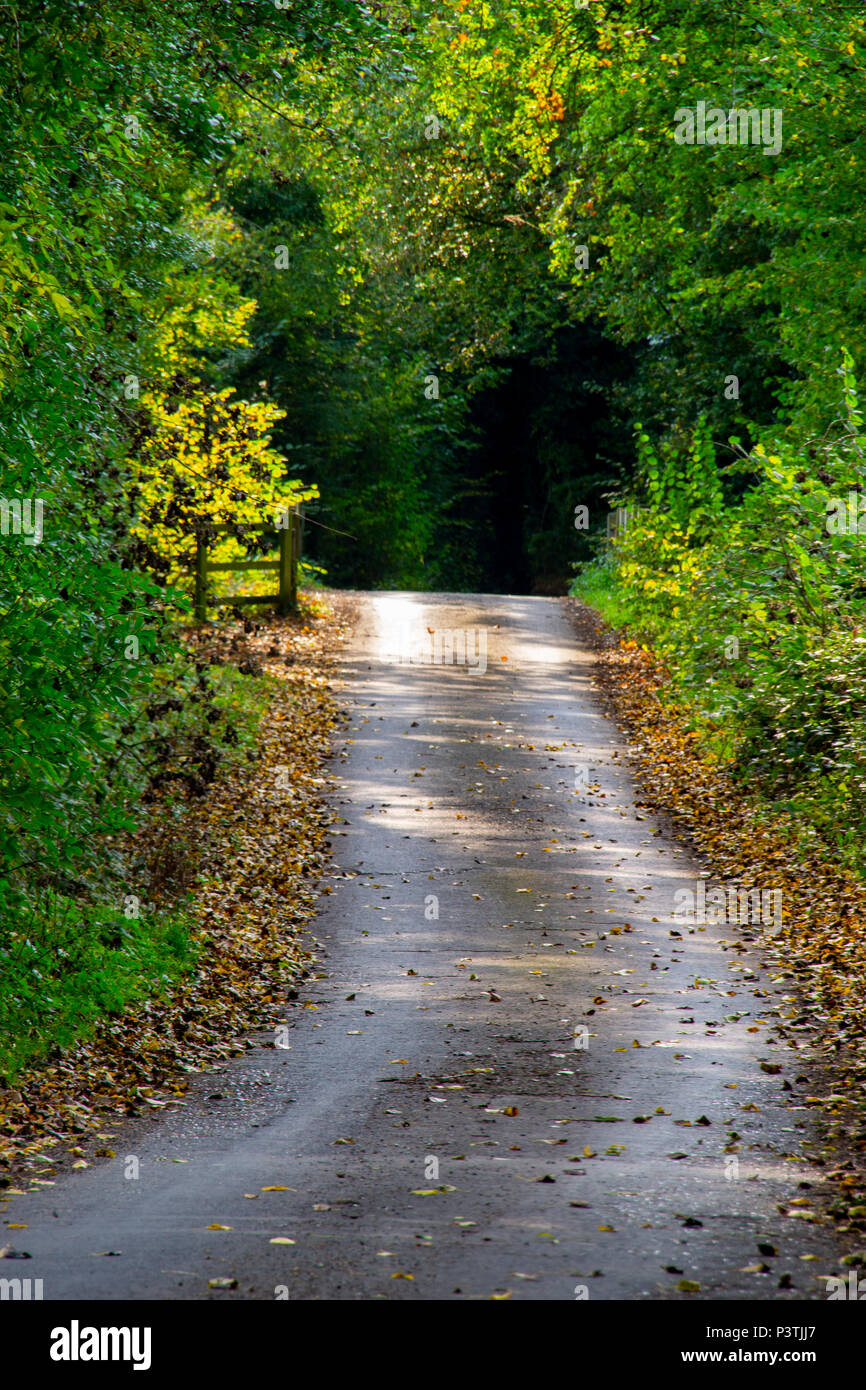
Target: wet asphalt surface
(513,1079)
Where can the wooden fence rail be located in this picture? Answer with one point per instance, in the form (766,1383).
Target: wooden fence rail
(286,566)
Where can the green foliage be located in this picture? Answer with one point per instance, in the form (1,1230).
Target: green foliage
(113,117)
(760,610)
(681,478)
(68,966)
(436,260)
(84,936)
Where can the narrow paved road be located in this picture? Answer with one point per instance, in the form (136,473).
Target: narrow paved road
(441,1057)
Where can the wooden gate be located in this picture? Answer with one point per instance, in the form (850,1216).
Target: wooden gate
(286,566)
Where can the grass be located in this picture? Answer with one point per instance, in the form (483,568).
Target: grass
(595,584)
(242,701)
(820,808)
(77,965)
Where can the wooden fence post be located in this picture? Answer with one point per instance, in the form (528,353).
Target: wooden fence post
(200,579)
(617,521)
(296,553)
(286,600)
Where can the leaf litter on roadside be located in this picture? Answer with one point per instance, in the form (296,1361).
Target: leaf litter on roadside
(262,844)
(820,950)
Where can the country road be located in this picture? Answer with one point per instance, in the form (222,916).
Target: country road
(505,1022)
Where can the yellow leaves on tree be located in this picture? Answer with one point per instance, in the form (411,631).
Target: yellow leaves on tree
(207,459)
(218,318)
